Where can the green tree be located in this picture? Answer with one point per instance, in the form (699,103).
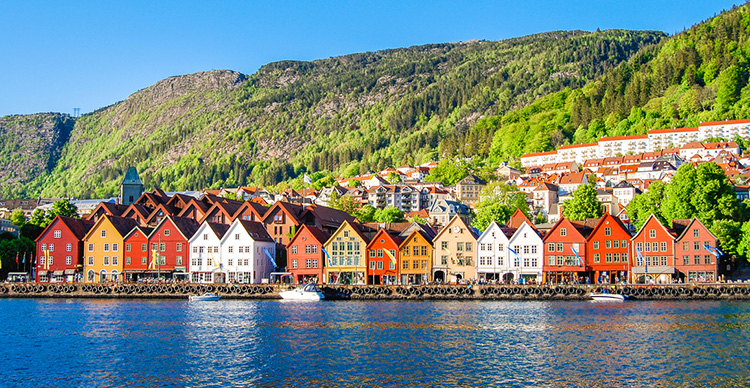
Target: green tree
(365,214)
(389,215)
(491,211)
(678,194)
(228,195)
(39,218)
(714,197)
(344,202)
(17,218)
(393,178)
(743,246)
(418,219)
(729,234)
(448,172)
(584,204)
(642,206)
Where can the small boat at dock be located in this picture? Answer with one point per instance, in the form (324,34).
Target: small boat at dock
(305,292)
(207,297)
(606,296)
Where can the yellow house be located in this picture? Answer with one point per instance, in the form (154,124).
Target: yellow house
(103,249)
(455,252)
(415,253)
(345,255)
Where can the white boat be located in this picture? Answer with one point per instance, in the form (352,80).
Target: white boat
(205,297)
(305,292)
(600,296)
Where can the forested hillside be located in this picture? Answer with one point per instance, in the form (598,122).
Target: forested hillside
(698,75)
(348,114)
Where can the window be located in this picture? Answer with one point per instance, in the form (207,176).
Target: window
(144,247)
(127,260)
(91,260)
(104,233)
(308,263)
(664,261)
(128,247)
(469,247)
(424,250)
(655,246)
(697,259)
(551,259)
(459,246)
(205,236)
(560,260)
(652,233)
(444,245)
(597,258)
(236,236)
(696,234)
(230,249)
(106,247)
(608,244)
(685,246)
(115,260)
(639,246)
(707,259)
(607,231)
(608,257)
(372,264)
(551,247)
(114,247)
(178,260)
(596,244)
(58,234)
(69,260)
(623,244)
(563,232)
(314,248)
(559,247)
(166,232)
(696,245)
(308,249)
(405,264)
(106,260)
(444,260)
(685,260)
(616,244)
(315,263)
(179,247)
(380,264)
(663,246)
(144,261)
(294,249)
(51,247)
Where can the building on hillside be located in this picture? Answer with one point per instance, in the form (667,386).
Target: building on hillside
(59,249)
(442,211)
(206,263)
(727,129)
(131,187)
(468,189)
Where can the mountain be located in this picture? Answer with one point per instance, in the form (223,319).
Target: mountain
(223,128)
(696,76)
(30,145)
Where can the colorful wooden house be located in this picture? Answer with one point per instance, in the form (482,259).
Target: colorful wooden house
(607,250)
(346,255)
(59,250)
(305,257)
(695,254)
(415,253)
(205,253)
(492,253)
(247,253)
(525,253)
(170,239)
(455,252)
(565,250)
(104,249)
(652,254)
(137,253)
(383,258)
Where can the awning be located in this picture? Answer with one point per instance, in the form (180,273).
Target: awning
(70,272)
(42,273)
(57,273)
(180,269)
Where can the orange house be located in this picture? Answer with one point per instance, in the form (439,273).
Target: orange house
(104,248)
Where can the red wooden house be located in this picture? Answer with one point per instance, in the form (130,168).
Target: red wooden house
(565,251)
(170,240)
(138,213)
(693,261)
(251,211)
(607,249)
(59,250)
(305,256)
(652,251)
(194,209)
(137,253)
(382,258)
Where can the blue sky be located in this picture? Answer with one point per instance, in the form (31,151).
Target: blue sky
(56,56)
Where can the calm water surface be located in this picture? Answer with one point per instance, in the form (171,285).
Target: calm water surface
(97,343)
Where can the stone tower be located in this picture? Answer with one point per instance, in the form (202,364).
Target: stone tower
(131,187)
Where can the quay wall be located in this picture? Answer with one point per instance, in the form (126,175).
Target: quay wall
(719,291)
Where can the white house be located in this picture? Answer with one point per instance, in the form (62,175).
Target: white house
(247,252)
(492,253)
(526,262)
(205,253)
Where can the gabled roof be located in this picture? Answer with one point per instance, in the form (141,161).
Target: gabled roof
(472,231)
(228,207)
(186,226)
(544,186)
(637,233)
(354,226)
(411,235)
(256,230)
(219,229)
(293,211)
(328,216)
(165,209)
(575,178)
(122,225)
(518,218)
(393,227)
(316,233)
(145,231)
(79,227)
(608,216)
(689,225)
(200,206)
(138,210)
(383,233)
(109,208)
(583,228)
(179,200)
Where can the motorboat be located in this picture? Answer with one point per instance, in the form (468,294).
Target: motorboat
(606,296)
(207,297)
(305,292)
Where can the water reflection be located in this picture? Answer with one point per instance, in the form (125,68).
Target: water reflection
(409,344)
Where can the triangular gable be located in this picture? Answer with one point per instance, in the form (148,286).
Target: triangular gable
(383,233)
(77,227)
(316,233)
(162,210)
(194,209)
(521,229)
(638,233)
(602,221)
(461,222)
(517,219)
(411,237)
(292,211)
(185,226)
(690,225)
(353,226)
(493,227)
